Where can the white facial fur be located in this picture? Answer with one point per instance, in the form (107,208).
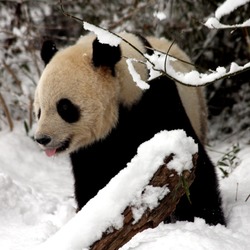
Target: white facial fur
(70,74)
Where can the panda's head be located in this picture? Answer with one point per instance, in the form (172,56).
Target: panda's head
(78,95)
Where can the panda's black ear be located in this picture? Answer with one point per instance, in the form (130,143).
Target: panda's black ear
(48,50)
(105,55)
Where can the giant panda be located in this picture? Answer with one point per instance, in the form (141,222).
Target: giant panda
(88,106)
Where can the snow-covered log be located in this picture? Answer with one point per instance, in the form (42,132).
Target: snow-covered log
(150,218)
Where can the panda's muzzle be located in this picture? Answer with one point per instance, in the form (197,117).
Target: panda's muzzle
(50,148)
(43,140)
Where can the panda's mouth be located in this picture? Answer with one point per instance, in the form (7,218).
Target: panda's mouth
(55,150)
(64,146)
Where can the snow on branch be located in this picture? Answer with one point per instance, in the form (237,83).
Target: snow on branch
(214,23)
(160,63)
(224,9)
(103,35)
(136,77)
(158,176)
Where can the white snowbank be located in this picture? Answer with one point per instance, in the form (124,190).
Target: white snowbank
(36,194)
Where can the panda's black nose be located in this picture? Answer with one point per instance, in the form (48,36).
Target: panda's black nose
(43,140)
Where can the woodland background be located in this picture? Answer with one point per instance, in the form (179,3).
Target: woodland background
(25,24)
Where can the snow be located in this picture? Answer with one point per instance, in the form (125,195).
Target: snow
(226,8)
(160,63)
(190,236)
(213,23)
(229,6)
(36,202)
(160,15)
(104,36)
(136,77)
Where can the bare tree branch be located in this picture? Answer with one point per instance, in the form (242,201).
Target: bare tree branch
(6,111)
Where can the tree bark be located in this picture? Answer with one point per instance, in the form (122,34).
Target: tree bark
(151,218)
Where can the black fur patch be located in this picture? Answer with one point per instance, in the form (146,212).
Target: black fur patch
(145,42)
(48,51)
(39,114)
(160,108)
(68,111)
(105,55)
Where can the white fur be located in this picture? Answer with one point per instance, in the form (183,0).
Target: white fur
(70,74)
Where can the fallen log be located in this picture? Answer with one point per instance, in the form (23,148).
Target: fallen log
(178,186)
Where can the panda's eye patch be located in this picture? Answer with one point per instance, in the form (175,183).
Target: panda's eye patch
(39,114)
(68,111)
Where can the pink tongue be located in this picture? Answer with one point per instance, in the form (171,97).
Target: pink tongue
(50,152)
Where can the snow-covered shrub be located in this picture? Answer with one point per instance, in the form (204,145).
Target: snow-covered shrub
(20,65)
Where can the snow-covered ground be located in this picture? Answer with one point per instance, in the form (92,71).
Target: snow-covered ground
(36,194)
(36,197)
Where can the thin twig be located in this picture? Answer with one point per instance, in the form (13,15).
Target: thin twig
(33,54)
(237,190)
(6,111)
(132,13)
(30,111)
(13,74)
(247,198)
(165,62)
(68,14)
